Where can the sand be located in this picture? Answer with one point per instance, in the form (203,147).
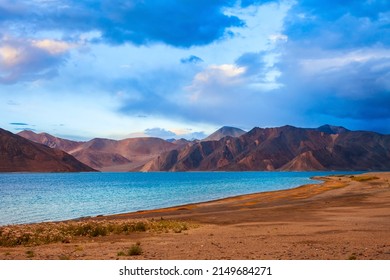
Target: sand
(346,217)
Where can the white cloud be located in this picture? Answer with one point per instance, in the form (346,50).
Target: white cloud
(275,38)
(334,61)
(209,82)
(53,47)
(225,73)
(9,56)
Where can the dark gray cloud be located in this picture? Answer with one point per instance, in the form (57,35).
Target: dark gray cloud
(246,3)
(18,123)
(176,23)
(191,59)
(336,63)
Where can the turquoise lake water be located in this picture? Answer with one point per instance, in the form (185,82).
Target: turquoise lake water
(38,197)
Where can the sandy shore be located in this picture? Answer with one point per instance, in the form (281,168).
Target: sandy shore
(346,217)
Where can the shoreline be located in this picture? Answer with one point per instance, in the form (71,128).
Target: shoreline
(235,198)
(190,204)
(344,217)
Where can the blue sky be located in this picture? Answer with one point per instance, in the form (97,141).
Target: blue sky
(171,69)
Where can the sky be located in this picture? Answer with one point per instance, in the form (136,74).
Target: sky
(182,69)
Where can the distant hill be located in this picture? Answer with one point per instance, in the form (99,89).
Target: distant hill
(331,129)
(282,148)
(223,132)
(123,155)
(18,154)
(50,140)
(107,154)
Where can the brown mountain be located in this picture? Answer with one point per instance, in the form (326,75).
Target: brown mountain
(106,154)
(223,132)
(331,129)
(18,154)
(283,148)
(50,140)
(123,155)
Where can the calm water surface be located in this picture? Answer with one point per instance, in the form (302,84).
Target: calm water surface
(37,197)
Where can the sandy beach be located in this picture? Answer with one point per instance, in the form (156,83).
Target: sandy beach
(346,217)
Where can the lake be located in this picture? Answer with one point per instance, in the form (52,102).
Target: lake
(38,197)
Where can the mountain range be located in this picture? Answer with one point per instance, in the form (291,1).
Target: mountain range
(284,148)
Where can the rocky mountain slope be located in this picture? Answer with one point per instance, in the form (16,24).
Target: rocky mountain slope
(282,148)
(18,154)
(106,154)
(223,132)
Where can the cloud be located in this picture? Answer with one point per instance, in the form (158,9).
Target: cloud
(246,3)
(18,123)
(327,62)
(24,128)
(174,133)
(315,70)
(348,89)
(339,24)
(335,64)
(222,74)
(24,59)
(191,59)
(13,103)
(253,63)
(216,94)
(153,93)
(51,46)
(194,135)
(159,132)
(176,23)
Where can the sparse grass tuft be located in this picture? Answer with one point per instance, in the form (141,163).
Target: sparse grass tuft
(135,250)
(30,254)
(79,248)
(45,233)
(63,257)
(363,178)
(352,257)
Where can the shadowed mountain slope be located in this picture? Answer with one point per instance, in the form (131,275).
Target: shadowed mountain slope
(18,154)
(282,148)
(106,154)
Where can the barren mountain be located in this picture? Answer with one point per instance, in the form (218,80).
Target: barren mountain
(223,132)
(106,154)
(50,140)
(331,129)
(18,154)
(123,155)
(283,148)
